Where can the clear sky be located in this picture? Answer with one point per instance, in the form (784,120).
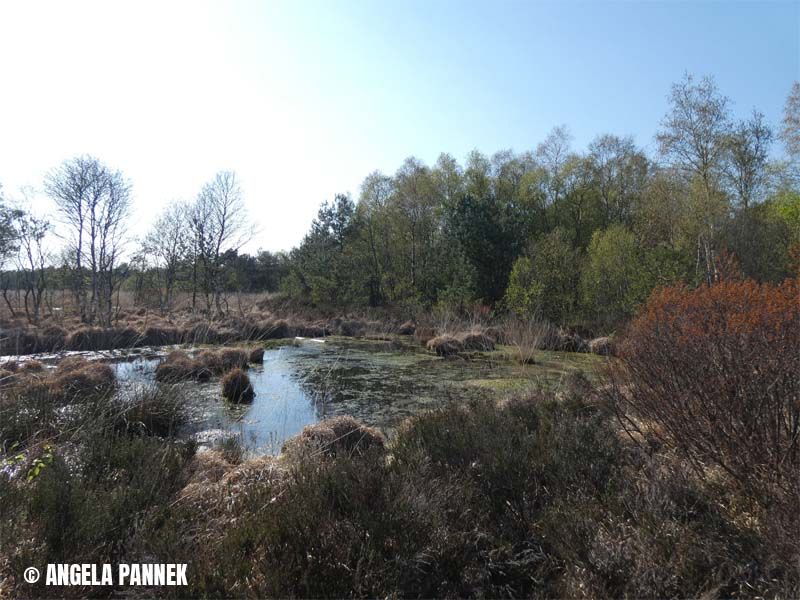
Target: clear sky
(304,99)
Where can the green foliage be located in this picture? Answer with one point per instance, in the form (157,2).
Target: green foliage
(491,237)
(544,284)
(613,282)
(786,206)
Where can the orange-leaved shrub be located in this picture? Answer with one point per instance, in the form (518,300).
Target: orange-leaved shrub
(714,372)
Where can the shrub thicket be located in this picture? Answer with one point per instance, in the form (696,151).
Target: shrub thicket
(714,372)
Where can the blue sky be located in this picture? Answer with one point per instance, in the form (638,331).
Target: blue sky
(304,99)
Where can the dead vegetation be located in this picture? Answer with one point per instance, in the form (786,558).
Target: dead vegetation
(334,437)
(180,366)
(236,386)
(73,379)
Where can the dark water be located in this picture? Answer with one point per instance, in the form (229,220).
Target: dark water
(379,383)
(376,383)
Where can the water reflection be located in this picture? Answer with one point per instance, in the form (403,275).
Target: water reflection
(377,383)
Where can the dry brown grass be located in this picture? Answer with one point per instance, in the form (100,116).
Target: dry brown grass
(334,437)
(445,345)
(74,378)
(236,386)
(257,355)
(476,339)
(180,366)
(80,378)
(407,328)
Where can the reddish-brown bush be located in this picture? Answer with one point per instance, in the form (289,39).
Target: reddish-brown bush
(715,373)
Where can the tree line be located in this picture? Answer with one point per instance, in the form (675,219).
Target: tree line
(574,237)
(192,247)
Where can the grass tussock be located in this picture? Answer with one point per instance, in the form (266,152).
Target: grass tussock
(407,328)
(334,437)
(256,355)
(476,339)
(180,366)
(603,346)
(236,386)
(74,379)
(445,345)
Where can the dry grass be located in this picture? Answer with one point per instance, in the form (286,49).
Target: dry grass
(445,345)
(334,437)
(476,340)
(236,386)
(180,366)
(256,355)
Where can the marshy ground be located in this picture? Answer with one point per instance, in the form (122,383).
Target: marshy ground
(379,382)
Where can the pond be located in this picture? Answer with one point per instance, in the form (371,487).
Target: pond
(378,382)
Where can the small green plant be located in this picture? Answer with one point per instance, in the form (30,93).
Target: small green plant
(40,462)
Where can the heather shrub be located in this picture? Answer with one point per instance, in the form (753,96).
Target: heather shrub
(89,480)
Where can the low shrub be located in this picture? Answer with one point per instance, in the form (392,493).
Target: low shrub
(713,372)
(236,386)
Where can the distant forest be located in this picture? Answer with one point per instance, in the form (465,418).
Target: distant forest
(579,238)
